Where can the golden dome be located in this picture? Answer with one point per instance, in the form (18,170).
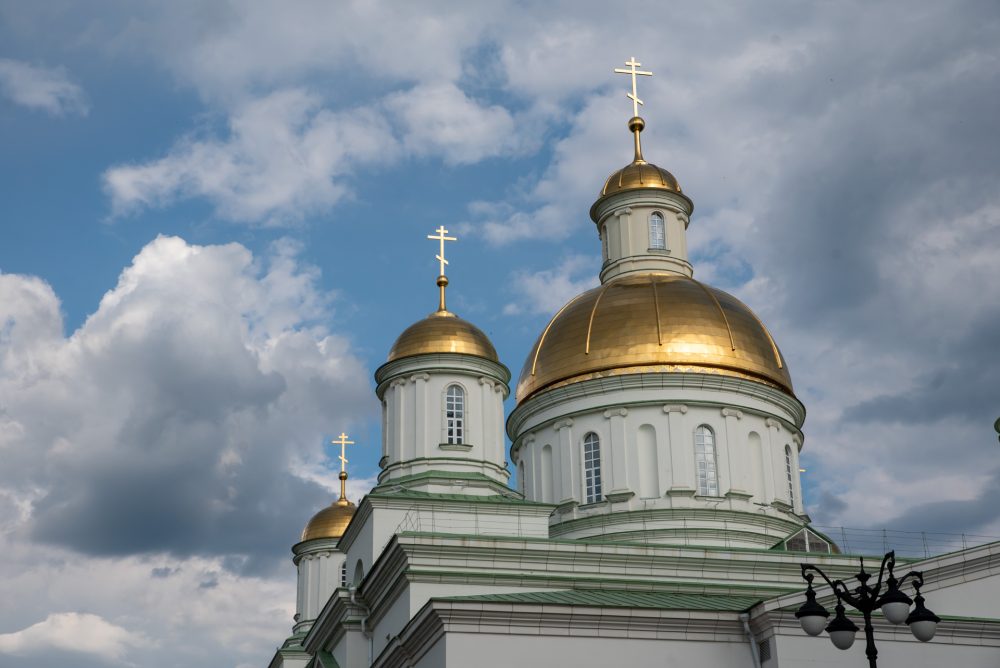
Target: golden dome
(331,522)
(641,174)
(638,174)
(652,323)
(443,332)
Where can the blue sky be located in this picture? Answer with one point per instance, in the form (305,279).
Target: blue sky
(213,227)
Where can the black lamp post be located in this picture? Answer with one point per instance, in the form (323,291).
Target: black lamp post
(895,605)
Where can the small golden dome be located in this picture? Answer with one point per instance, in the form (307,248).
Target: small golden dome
(442,332)
(331,522)
(637,175)
(652,323)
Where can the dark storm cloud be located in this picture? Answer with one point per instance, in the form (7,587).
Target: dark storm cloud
(967,516)
(169,422)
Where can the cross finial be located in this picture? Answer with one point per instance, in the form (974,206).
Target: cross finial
(634,95)
(442,236)
(342,442)
(442,281)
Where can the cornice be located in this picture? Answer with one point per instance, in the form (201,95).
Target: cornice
(468,365)
(612,385)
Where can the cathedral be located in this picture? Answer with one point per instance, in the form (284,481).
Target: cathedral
(658,517)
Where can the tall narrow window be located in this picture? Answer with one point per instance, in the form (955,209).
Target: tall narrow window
(788,474)
(657,236)
(604,243)
(454,414)
(592,467)
(704,457)
(343,574)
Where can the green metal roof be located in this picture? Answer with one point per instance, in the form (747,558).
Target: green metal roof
(621,599)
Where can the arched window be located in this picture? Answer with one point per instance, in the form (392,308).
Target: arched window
(359,574)
(454,414)
(343,574)
(657,235)
(788,474)
(704,458)
(604,243)
(592,467)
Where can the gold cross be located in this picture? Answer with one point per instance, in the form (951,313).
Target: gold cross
(634,95)
(442,237)
(342,442)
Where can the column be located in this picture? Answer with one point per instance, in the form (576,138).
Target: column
(423,442)
(681,450)
(486,433)
(773,441)
(569,464)
(399,414)
(738,453)
(617,448)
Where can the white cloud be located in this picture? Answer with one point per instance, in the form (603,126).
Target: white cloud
(546,291)
(159,460)
(48,89)
(284,157)
(181,402)
(439,119)
(73,632)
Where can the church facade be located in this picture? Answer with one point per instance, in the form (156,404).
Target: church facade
(658,519)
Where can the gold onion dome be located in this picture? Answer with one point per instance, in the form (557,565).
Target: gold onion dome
(652,323)
(443,332)
(332,521)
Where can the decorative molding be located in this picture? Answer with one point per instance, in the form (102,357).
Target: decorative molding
(567,506)
(732,412)
(420,376)
(771,422)
(564,424)
(681,491)
(615,412)
(559,399)
(383,462)
(675,408)
(619,496)
(456,447)
(738,494)
(483,380)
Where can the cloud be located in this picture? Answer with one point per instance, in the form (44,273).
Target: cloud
(439,119)
(48,89)
(73,632)
(546,291)
(170,421)
(285,157)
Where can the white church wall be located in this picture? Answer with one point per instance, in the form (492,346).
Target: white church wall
(648,457)
(414,391)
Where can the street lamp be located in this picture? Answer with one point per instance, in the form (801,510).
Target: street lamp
(895,605)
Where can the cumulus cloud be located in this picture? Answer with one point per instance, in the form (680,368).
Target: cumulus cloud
(45,88)
(281,160)
(546,291)
(439,119)
(170,420)
(73,632)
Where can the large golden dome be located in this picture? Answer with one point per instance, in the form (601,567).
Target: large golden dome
(652,323)
(331,522)
(442,332)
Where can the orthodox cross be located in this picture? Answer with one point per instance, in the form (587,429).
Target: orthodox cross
(342,442)
(634,95)
(442,237)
